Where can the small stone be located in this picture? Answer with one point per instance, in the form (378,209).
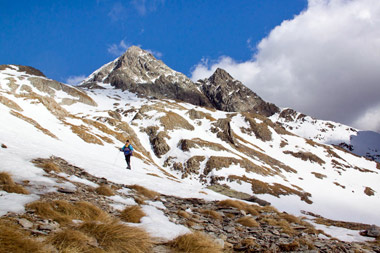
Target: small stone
(4,146)
(373,231)
(25,223)
(229,229)
(66,190)
(219,242)
(38,232)
(197,227)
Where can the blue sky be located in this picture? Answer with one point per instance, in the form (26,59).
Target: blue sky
(73,37)
(319,57)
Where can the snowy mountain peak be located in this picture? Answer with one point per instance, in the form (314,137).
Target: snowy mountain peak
(229,94)
(140,72)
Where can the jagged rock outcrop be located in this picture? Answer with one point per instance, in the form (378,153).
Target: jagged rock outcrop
(229,94)
(140,72)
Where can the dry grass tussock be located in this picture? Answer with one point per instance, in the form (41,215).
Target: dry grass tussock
(48,166)
(113,236)
(13,239)
(369,191)
(64,212)
(211,213)
(248,221)
(196,242)
(240,205)
(184,214)
(319,175)
(144,191)
(132,214)
(104,190)
(72,241)
(278,222)
(7,184)
(305,156)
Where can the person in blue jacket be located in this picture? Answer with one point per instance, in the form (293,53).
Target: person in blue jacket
(128,152)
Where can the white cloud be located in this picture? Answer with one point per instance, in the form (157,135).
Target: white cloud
(118,49)
(325,62)
(117,12)
(157,54)
(75,80)
(145,6)
(370,119)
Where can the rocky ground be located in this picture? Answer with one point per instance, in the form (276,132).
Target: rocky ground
(238,227)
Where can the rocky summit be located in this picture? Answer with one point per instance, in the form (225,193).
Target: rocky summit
(230,95)
(140,72)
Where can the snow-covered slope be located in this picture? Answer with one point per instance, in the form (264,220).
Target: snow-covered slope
(362,143)
(181,149)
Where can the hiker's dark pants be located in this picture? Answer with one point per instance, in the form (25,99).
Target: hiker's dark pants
(128,160)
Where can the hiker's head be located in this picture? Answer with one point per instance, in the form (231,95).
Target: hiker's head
(127,141)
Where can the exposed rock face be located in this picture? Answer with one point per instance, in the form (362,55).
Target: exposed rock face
(27,69)
(228,94)
(140,72)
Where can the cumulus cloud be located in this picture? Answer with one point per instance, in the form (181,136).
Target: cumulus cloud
(325,62)
(75,80)
(118,49)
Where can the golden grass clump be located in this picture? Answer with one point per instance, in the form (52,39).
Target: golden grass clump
(248,221)
(115,237)
(196,242)
(49,166)
(7,184)
(13,239)
(251,209)
(132,214)
(64,212)
(305,156)
(145,192)
(294,245)
(104,190)
(369,191)
(70,240)
(184,214)
(290,218)
(211,213)
(278,222)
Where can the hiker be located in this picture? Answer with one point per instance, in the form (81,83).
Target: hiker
(128,152)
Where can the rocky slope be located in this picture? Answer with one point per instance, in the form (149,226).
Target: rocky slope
(234,226)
